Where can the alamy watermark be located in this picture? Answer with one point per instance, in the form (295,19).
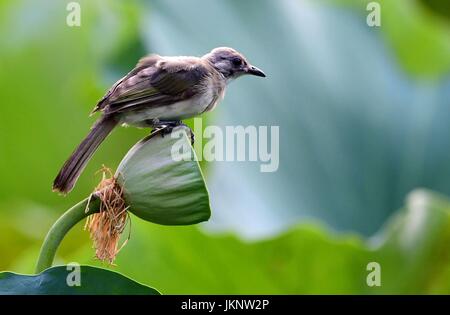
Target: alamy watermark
(231,143)
(374,16)
(73,278)
(73,18)
(373,279)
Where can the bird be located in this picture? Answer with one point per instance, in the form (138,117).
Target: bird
(158,93)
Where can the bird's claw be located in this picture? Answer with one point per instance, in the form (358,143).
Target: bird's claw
(167,127)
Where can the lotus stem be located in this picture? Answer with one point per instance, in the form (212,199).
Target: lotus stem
(61,227)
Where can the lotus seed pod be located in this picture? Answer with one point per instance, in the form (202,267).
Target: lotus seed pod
(162,181)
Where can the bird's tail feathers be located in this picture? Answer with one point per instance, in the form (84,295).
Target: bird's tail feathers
(72,168)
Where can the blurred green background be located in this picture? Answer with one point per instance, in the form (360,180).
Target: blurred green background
(364,120)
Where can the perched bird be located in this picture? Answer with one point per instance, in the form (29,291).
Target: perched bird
(158,93)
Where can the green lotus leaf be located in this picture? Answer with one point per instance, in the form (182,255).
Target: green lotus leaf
(71,280)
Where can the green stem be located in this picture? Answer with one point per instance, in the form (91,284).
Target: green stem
(60,229)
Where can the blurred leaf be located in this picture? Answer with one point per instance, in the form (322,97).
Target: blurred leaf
(356,133)
(51,77)
(439,7)
(420,39)
(412,251)
(21,230)
(161,188)
(54,281)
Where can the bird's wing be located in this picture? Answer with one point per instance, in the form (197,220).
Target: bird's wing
(155,81)
(143,63)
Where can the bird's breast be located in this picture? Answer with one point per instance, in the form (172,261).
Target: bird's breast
(205,99)
(194,106)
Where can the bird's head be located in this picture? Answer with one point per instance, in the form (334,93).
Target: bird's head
(231,63)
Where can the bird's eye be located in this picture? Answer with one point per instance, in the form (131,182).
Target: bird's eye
(237,61)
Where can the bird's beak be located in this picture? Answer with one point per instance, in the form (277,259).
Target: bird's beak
(255,71)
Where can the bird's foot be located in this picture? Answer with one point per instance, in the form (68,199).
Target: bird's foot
(166,127)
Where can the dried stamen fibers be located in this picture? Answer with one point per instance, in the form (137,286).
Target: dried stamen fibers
(106,226)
